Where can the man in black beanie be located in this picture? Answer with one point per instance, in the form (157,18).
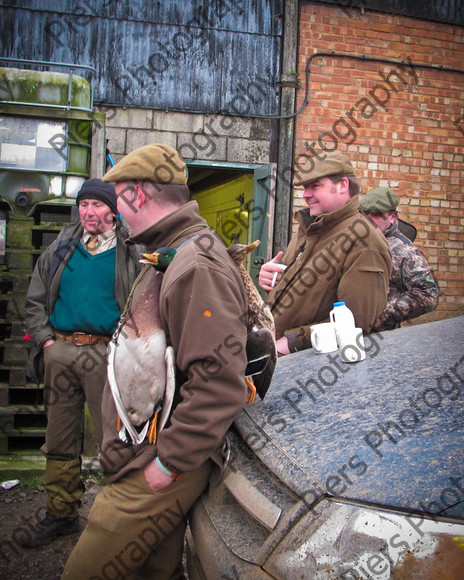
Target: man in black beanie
(77,292)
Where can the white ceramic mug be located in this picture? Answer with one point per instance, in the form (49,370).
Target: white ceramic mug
(323,337)
(351,346)
(283,267)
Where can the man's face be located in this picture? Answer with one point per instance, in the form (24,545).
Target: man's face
(383,220)
(324,196)
(96,217)
(140,206)
(128,202)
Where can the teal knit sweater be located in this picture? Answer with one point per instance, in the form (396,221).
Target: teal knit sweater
(86,300)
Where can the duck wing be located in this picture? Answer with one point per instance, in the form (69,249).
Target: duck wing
(170,362)
(262,357)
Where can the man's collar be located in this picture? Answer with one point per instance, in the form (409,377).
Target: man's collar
(306,220)
(392,229)
(104,236)
(169,227)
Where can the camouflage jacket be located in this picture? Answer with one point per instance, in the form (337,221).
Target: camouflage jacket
(413,288)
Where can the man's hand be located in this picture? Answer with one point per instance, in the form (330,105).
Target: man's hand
(271,272)
(47,342)
(155,478)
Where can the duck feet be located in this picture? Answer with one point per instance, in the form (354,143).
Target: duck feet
(251,396)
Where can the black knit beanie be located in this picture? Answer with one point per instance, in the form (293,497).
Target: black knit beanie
(97,189)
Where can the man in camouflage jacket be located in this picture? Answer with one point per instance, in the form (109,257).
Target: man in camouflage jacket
(413,288)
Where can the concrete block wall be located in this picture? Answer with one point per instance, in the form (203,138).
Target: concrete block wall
(403,126)
(210,138)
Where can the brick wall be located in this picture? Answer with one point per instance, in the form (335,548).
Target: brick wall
(402,126)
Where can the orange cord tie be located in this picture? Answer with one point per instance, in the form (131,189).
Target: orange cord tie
(251,396)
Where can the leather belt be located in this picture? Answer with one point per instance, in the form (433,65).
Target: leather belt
(82,339)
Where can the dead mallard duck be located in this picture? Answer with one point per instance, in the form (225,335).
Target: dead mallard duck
(141,368)
(160,258)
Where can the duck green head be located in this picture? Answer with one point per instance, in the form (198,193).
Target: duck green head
(159,259)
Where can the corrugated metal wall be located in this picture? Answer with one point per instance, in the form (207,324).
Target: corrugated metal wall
(181,55)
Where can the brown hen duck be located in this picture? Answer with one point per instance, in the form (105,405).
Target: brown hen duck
(260,347)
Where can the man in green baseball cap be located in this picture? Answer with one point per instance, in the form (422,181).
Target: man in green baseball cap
(413,288)
(335,255)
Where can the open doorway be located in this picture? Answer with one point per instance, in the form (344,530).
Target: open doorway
(236,203)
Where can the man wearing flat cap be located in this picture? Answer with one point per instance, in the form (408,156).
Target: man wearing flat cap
(336,255)
(77,292)
(154,479)
(413,288)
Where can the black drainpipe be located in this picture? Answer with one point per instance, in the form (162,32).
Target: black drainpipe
(366,59)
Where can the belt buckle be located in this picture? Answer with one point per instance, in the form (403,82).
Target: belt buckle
(76,337)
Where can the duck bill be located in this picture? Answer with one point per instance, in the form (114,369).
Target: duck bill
(149,258)
(252,246)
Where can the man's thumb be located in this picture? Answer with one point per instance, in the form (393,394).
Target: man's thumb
(278,257)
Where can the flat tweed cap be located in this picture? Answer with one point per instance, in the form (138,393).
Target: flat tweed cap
(157,163)
(313,168)
(380,200)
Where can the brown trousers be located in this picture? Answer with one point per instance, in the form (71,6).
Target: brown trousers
(73,375)
(135,533)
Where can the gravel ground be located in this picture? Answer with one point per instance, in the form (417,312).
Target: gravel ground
(19,508)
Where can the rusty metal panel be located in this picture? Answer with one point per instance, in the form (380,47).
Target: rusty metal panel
(222,55)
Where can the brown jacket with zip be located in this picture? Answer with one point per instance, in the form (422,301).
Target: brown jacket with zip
(337,256)
(203,311)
